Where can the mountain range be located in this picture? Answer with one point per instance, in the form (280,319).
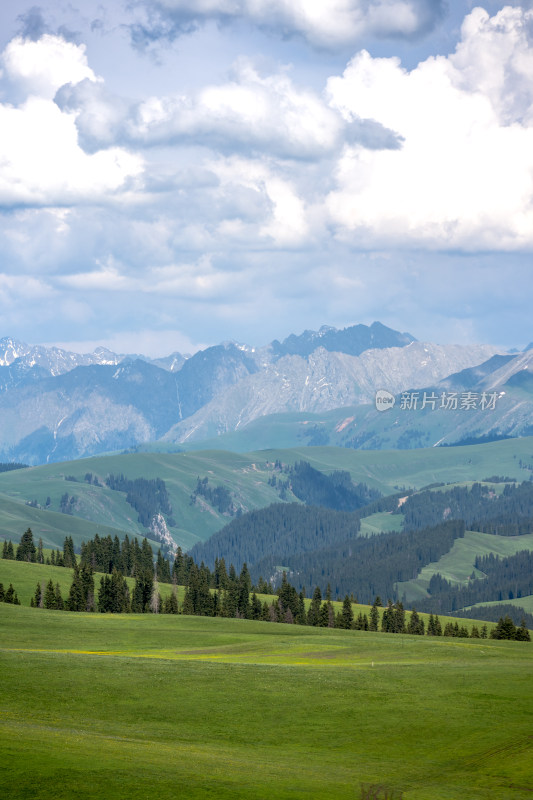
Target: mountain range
(58,405)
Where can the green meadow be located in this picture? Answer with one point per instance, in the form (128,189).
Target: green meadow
(97,509)
(156,706)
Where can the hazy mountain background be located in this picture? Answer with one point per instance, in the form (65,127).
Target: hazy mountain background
(58,405)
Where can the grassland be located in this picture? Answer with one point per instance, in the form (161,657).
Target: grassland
(146,706)
(458,564)
(245,475)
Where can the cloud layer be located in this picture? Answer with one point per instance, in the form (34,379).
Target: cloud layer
(258,198)
(325,23)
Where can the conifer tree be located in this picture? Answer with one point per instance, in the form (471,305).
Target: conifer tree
(347,613)
(26,550)
(374,616)
(313,613)
(38,597)
(170,605)
(255,611)
(2,593)
(10,595)
(50,595)
(300,617)
(416,623)
(8,551)
(323,616)
(69,559)
(75,600)
(505,629)
(142,592)
(59,600)
(245,586)
(387,620)
(522,633)
(449,629)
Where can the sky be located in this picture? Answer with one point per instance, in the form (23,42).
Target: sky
(178,173)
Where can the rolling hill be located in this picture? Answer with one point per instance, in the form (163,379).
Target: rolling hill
(246,476)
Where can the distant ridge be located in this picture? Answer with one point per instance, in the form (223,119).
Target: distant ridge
(353,340)
(57,405)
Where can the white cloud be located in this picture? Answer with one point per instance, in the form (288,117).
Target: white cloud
(41,162)
(107,279)
(251,113)
(464,174)
(286,225)
(17,287)
(326,23)
(41,67)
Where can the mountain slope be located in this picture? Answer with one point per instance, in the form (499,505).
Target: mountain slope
(324,381)
(247,477)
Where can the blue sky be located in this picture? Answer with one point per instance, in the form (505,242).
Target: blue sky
(178,173)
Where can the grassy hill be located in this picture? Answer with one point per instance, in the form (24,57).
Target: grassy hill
(246,476)
(160,706)
(25,576)
(458,564)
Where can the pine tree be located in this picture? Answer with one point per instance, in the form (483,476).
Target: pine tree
(416,624)
(40,554)
(300,617)
(170,605)
(245,586)
(147,556)
(142,592)
(449,629)
(9,596)
(387,620)
(347,613)
(50,595)
(313,613)
(255,607)
(69,559)
(59,600)
(87,580)
(522,633)
(26,550)
(265,612)
(8,551)
(2,593)
(75,600)
(374,617)
(361,623)
(104,595)
(162,568)
(505,629)
(399,618)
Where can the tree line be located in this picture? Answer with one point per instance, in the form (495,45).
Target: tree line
(147,497)
(507,514)
(217,592)
(504,579)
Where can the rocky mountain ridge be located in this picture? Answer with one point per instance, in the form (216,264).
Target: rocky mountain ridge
(52,411)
